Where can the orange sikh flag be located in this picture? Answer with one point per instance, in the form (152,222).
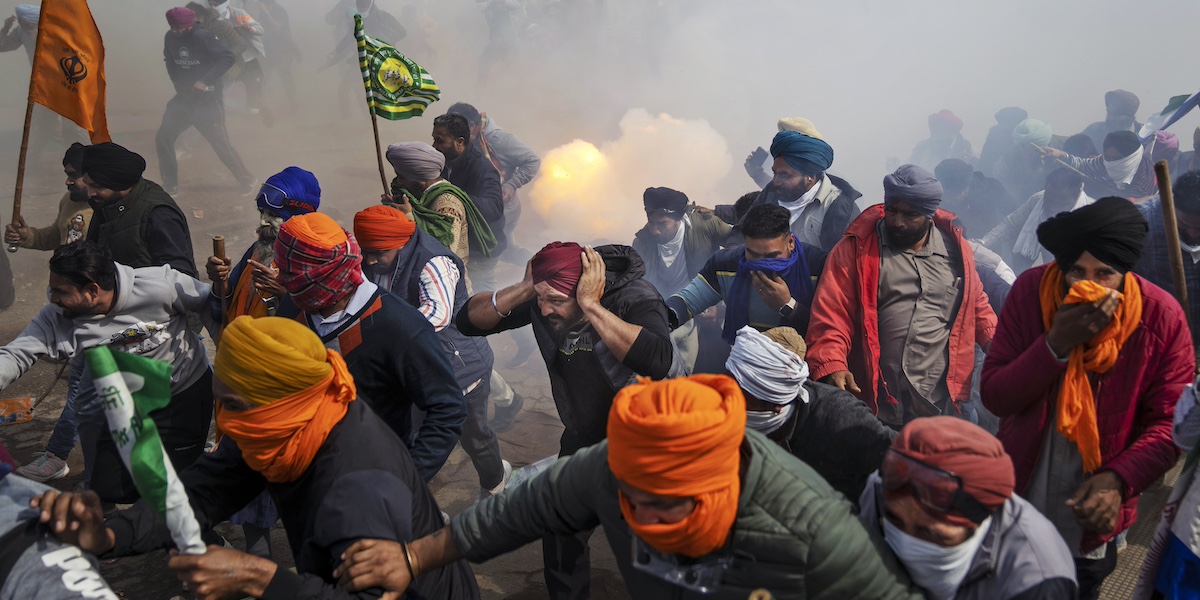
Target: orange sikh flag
(68,66)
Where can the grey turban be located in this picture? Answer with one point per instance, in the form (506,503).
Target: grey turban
(416,161)
(916,187)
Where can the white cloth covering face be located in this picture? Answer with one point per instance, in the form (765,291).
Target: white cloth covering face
(939,570)
(765,369)
(1027,243)
(1121,171)
(671,250)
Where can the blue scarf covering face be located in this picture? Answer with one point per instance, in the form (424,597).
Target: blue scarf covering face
(793,270)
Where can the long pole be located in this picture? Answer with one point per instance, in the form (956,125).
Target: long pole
(20,187)
(378,151)
(1174,252)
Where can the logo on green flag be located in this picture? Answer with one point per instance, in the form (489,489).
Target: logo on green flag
(397,88)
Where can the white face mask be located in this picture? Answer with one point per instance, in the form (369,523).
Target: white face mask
(1122,170)
(937,569)
(767,422)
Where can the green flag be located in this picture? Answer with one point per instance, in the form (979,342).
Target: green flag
(130,387)
(397,88)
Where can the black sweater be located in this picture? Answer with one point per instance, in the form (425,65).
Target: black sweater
(584,375)
(473,174)
(398,362)
(361,484)
(196,55)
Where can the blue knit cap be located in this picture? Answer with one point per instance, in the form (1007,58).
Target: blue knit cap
(290,192)
(801,152)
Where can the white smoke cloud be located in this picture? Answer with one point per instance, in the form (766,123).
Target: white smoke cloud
(593,193)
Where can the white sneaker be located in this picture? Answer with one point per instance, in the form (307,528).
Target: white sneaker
(47,466)
(503,482)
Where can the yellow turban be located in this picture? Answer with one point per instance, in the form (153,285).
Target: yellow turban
(269,358)
(800,125)
(789,338)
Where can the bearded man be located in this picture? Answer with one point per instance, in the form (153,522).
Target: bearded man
(256,290)
(600,325)
(1087,364)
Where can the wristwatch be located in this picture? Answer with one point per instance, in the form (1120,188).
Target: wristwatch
(788,309)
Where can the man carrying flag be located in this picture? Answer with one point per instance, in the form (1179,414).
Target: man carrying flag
(97,302)
(293,427)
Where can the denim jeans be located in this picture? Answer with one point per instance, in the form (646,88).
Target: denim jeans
(66,431)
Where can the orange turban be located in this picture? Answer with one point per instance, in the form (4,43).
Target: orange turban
(680,437)
(1076,419)
(299,390)
(316,229)
(382,227)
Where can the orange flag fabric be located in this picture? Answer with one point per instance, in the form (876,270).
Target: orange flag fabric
(1076,405)
(68,66)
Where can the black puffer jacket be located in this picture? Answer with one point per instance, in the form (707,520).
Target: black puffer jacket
(583,408)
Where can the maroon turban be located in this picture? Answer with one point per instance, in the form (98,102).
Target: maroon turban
(945,118)
(559,264)
(965,449)
(180,18)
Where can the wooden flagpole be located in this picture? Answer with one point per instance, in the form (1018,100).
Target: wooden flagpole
(20,187)
(387,190)
(1174,251)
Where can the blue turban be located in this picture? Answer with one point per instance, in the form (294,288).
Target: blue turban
(808,155)
(300,188)
(914,186)
(28,14)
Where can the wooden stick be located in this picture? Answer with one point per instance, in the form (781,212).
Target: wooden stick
(379,152)
(16,216)
(219,286)
(1174,252)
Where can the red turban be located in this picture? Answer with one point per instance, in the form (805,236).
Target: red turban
(559,264)
(181,18)
(946,118)
(382,227)
(965,449)
(318,262)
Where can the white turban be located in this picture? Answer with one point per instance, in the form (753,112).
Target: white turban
(28,14)
(766,370)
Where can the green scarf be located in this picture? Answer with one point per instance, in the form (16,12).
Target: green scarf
(441,226)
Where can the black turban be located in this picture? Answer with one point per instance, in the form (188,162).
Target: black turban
(74,157)
(1125,142)
(916,187)
(112,166)
(665,201)
(1121,102)
(1111,229)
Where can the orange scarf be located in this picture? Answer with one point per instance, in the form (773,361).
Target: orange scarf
(246,299)
(280,439)
(680,437)
(1076,405)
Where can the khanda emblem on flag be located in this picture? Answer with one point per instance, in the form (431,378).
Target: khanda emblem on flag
(73,68)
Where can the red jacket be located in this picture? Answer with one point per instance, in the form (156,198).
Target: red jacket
(843,332)
(1135,399)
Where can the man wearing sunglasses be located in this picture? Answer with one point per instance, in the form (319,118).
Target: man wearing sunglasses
(256,290)
(943,503)
(1087,364)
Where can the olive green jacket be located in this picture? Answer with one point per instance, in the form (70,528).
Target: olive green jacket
(794,535)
